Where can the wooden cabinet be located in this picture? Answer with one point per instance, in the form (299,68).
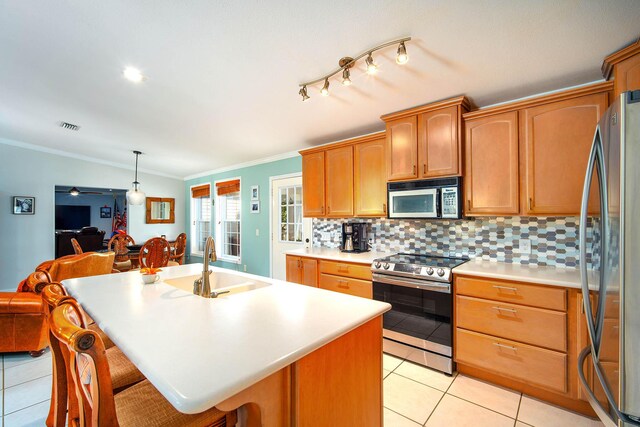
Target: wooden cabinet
(370,183)
(339,182)
(624,67)
(313,184)
(347,278)
(556,141)
(402,149)
(491,165)
(439,145)
(425,142)
(302,270)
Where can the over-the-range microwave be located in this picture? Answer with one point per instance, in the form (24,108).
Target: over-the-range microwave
(432,198)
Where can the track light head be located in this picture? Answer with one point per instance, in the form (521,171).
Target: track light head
(402,57)
(325,89)
(371,66)
(303,93)
(346,81)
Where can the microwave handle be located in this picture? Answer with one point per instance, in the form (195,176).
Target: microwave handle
(438,203)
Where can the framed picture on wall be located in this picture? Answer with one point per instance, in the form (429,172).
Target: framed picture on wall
(24,205)
(255,192)
(105,212)
(255,207)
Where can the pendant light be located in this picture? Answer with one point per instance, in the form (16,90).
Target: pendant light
(135,196)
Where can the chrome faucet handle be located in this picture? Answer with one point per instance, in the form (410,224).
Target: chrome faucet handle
(197,286)
(215,294)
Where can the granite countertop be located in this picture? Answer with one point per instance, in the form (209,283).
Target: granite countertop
(544,275)
(337,255)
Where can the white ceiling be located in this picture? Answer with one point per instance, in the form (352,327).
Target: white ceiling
(223,76)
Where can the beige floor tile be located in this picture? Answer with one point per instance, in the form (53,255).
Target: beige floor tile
(391,419)
(425,375)
(15,359)
(29,417)
(521,424)
(385,372)
(540,414)
(454,412)
(27,394)
(27,371)
(390,362)
(490,396)
(409,398)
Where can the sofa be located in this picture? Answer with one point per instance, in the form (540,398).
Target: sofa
(89,238)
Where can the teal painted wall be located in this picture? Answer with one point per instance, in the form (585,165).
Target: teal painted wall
(254,249)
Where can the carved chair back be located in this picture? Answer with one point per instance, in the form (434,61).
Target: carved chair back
(180,246)
(76,246)
(155,253)
(83,265)
(35,282)
(118,244)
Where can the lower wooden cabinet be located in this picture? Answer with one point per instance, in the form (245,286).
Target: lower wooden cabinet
(302,270)
(346,285)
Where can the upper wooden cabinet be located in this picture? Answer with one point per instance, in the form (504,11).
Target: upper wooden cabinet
(425,142)
(491,165)
(313,184)
(339,182)
(370,184)
(624,67)
(556,140)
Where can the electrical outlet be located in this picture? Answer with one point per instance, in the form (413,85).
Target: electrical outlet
(245,268)
(257,232)
(524,246)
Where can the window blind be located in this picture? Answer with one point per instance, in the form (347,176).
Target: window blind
(227,187)
(200,191)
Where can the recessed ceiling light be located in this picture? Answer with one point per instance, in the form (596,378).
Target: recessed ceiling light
(133,74)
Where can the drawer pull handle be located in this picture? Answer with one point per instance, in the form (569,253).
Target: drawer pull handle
(509,347)
(510,310)
(343,268)
(615,327)
(616,301)
(343,284)
(506,288)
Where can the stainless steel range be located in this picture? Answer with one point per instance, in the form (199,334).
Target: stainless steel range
(419,325)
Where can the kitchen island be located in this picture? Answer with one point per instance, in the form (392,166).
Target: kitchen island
(292,355)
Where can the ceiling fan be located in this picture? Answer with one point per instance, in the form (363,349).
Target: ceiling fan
(75,191)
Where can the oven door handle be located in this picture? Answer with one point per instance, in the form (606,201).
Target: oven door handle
(444,288)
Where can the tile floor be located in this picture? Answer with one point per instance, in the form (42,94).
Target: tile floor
(413,396)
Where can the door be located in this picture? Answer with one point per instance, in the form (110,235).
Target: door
(309,272)
(294,269)
(402,149)
(491,165)
(313,184)
(420,203)
(556,141)
(370,179)
(438,143)
(289,230)
(339,182)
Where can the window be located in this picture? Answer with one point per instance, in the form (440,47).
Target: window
(200,218)
(291,213)
(228,220)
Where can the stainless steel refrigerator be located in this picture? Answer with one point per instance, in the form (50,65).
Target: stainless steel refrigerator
(609,368)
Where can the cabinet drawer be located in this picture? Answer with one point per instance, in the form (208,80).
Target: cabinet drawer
(359,288)
(522,362)
(518,293)
(356,271)
(537,326)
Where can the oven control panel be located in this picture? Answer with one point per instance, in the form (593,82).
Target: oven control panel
(409,270)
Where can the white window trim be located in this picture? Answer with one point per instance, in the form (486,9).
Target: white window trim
(191,227)
(217,230)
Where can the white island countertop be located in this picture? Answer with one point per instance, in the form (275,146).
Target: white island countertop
(337,255)
(544,275)
(197,351)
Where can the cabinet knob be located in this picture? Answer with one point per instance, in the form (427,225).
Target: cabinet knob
(530,202)
(414,169)
(328,209)
(384,207)
(424,169)
(468,205)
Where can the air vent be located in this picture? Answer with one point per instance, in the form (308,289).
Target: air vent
(69,126)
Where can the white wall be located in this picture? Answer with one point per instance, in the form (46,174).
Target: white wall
(27,240)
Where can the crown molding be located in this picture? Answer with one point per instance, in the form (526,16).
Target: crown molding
(462,100)
(250,163)
(344,142)
(62,153)
(616,57)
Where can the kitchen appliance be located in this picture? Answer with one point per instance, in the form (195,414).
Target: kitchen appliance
(433,198)
(354,237)
(419,325)
(614,284)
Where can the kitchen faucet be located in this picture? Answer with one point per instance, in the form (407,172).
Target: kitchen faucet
(202,286)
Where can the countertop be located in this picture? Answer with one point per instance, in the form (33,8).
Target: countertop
(197,351)
(544,275)
(337,255)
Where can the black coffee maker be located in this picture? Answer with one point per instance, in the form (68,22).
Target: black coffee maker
(354,237)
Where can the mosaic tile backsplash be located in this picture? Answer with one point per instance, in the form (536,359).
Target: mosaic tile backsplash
(554,240)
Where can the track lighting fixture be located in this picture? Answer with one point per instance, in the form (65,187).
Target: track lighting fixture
(345,77)
(345,64)
(402,57)
(303,93)
(325,89)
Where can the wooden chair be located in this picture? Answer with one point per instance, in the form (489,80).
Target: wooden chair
(83,265)
(76,246)
(123,373)
(118,243)
(179,248)
(139,405)
(155,253)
